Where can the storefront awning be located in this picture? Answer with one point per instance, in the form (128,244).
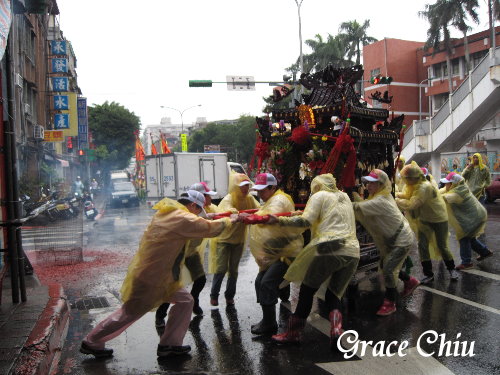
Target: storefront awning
(64,163)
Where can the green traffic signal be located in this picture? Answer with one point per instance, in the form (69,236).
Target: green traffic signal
(200,83)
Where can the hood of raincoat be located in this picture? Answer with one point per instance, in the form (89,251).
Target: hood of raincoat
(324,182)
(238,200)
(481,164)
(167,205)
(401,158)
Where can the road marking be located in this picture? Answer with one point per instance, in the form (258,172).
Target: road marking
(489,275)
(412,364)
(460,299)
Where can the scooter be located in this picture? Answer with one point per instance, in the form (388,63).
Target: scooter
(89,209)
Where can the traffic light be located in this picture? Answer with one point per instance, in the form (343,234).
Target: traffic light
(200,83)
(81,152)
(69,144)
(379,80)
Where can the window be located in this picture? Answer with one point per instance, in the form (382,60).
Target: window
(455,67)
(477,57)
(439,100)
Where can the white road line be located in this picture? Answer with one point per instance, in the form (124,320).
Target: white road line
(460,299)
(411,364)
(489,275)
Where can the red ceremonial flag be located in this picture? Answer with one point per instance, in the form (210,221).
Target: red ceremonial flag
(139,150)
(164,145)
(153,147)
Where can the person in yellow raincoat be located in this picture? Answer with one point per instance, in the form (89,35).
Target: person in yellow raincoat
(273,248)
(425,206)
(429,177)
(478,177)
(467,216)
(229,244)
(332,255)
(193,261)
(398,180)
(391,232)
(153,276)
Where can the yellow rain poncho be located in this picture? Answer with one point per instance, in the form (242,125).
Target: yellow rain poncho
(270,243)
(197,246)
(330,216)
(423,204)
(154,272)
(398,179)
(234,201)
(477,177)
(466,214)
(382,218)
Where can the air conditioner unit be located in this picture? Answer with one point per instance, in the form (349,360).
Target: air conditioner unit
(27,109)
(18,80)
(38,132)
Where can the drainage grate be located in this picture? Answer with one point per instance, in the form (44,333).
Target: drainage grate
(90,303)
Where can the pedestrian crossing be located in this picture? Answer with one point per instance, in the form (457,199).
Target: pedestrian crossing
(36,238)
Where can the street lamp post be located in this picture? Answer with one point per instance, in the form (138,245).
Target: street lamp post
(420,99)
(181,113)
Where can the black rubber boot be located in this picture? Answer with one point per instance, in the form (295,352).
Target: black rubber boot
(268,323)
(428,274)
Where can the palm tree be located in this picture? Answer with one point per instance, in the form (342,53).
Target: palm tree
(325,53)
(354,36)
(439,16)
(461,10)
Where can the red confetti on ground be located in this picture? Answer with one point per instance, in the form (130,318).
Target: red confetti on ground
(95,263)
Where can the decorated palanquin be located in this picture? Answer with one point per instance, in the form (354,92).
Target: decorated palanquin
(330,130)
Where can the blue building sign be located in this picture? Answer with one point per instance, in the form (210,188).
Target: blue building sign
(60,84)
(61,121)
(59,65)
(58,47)
(61,102)
(83,129)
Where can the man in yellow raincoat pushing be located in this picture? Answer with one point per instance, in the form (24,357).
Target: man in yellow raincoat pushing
(153,276)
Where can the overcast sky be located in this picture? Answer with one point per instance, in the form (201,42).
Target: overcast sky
(141,54)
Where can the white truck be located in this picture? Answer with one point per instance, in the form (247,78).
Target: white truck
(170,175)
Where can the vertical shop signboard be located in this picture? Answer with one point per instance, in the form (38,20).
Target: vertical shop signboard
(83,128)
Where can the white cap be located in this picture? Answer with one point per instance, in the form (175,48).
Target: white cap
(372,177)
(196,197)
(202,187)
(244,182)
(452,177)
(263,180)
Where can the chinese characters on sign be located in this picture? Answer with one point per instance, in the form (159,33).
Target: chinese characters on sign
(61,121)
(82,123)
(60,84)
(61,102)
(59,65)
(53,136)
(184,143)
(58,47)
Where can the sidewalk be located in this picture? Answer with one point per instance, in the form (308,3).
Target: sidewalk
(32,332)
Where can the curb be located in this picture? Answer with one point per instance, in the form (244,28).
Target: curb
(43,346)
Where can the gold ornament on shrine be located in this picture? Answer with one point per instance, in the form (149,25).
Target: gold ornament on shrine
(306,114)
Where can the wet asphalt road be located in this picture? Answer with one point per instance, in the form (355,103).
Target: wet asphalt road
(221,340)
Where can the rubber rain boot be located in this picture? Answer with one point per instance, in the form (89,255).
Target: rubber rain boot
(268,323)
(293,333)
(336,329)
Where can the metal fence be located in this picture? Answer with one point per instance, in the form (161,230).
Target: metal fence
(60,242)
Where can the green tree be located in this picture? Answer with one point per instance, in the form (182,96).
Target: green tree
(325,53)
(113,127)
(354,35)
(462,11)
(439,16)
(238,140)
